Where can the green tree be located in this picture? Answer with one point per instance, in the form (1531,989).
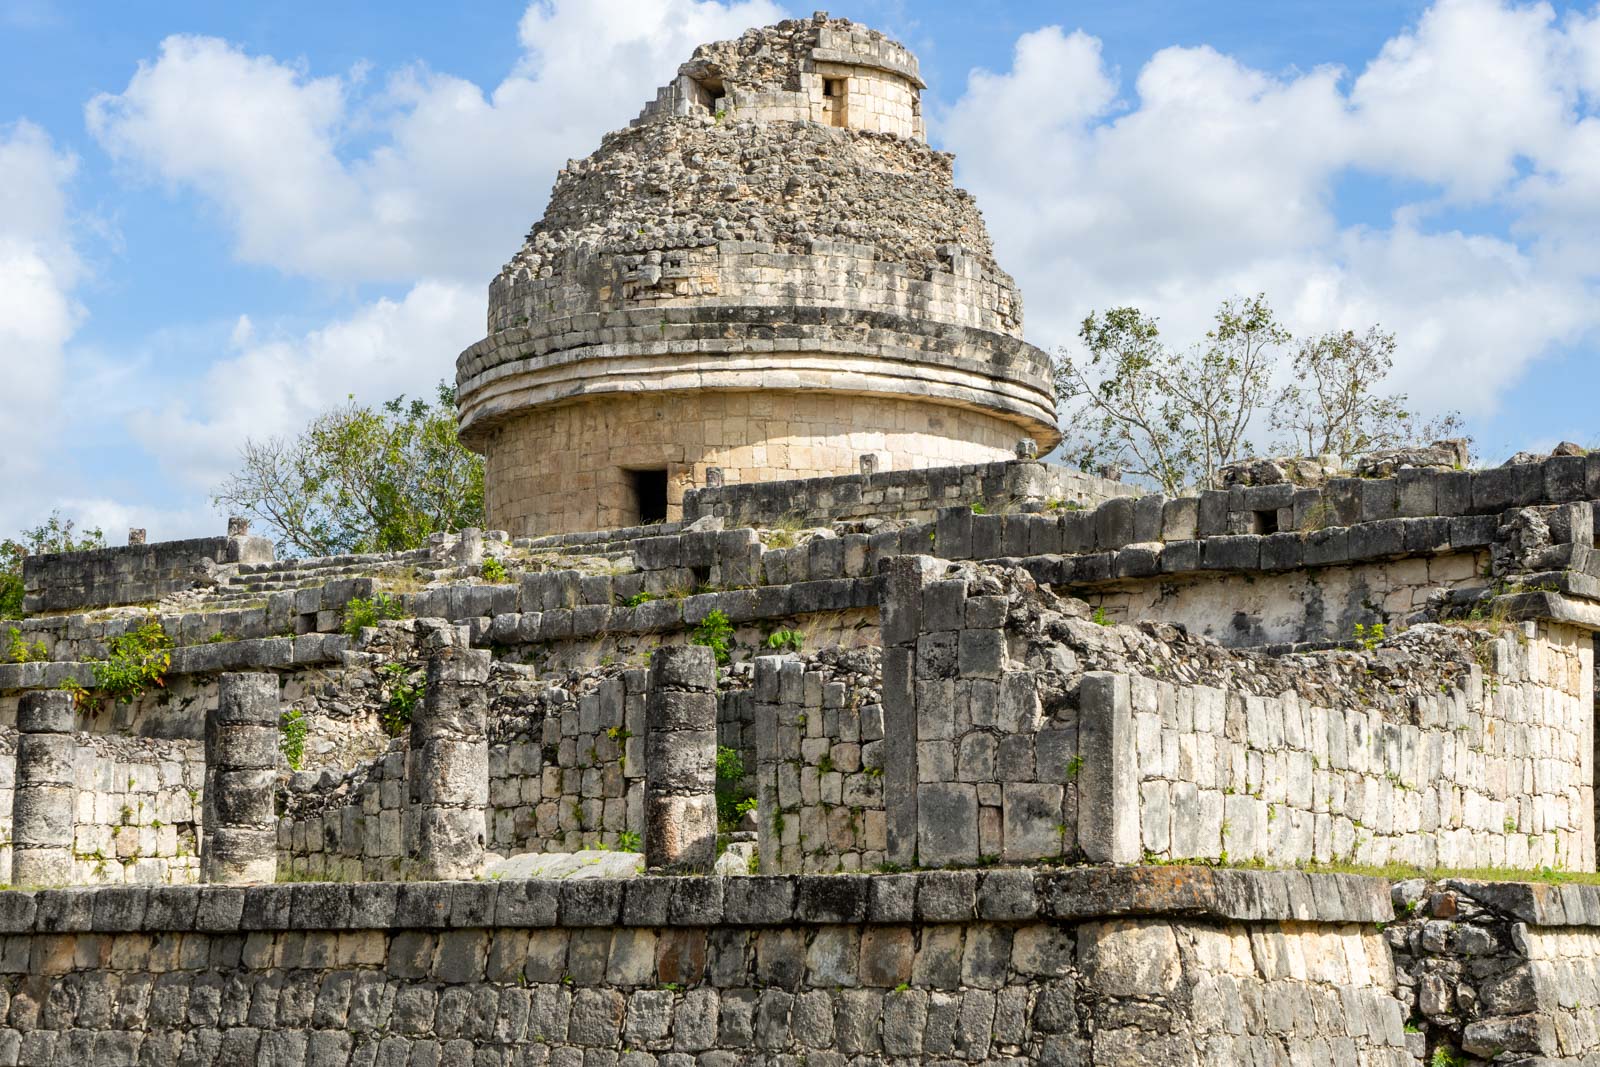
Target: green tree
(1331,405)
(1172,417)
(55,534)
(1176,417)
(361,479)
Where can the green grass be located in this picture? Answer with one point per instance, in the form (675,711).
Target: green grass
(1397,872)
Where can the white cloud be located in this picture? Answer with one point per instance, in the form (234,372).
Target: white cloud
(273,386)
(1214,179)
(39,269)
(457,174)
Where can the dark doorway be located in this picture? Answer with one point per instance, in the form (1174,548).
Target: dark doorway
(649,494)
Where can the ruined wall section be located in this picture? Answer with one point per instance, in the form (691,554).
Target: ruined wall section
(137,811)
(132,574)
(929,968)
(913,496)
(779,73)
(1022,728)
(1490,767)
(819,763)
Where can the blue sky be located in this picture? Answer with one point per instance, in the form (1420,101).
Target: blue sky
(216,219)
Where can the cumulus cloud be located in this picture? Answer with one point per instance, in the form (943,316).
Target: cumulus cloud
(272,386)
(457,173)
(1212,178)
(39,270)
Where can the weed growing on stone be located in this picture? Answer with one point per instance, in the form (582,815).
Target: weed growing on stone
(716,633)
(138,660)
(20,651)
(292,730)
(786,640)
(494,571)
(1368,637)
(395,715)
(360,612)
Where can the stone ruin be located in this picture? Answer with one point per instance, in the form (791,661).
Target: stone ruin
(917,757)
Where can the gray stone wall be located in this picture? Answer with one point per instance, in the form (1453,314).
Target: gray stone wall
(137,811)
(819,766)
(132,574)
(1492,770)
(1005,966)
(907,495)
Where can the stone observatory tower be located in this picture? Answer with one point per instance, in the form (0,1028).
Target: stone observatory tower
(768,274)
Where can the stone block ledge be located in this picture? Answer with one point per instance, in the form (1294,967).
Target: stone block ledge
(1535,903)
(999,895)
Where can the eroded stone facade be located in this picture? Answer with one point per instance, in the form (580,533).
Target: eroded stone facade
(772,274)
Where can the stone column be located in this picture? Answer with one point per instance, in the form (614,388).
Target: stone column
(1108,778)
(448,765)
(239,840)
(43,802)
(680,760)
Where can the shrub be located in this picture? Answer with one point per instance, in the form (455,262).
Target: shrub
(716,633)
(138,660)
(20,651)
(359,612)
(292,730)
(786,640)
(730,768)
(494,571)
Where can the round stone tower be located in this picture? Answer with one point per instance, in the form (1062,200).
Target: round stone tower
(769,272)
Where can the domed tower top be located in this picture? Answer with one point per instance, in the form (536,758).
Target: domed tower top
(769,273)
(828,71)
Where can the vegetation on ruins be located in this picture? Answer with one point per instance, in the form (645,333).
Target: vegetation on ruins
(732,800)
(361,479)
(716,633)
(494,571)
(786,640)
(360,612)
(19,650)
(1175,417)
(55,534)
(403,696)
(135,662)
(292,732)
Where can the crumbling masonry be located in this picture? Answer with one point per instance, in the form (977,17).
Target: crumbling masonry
(801,713)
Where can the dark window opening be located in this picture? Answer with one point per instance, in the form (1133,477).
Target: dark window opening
(1265,522)
(833,102)
(649,494)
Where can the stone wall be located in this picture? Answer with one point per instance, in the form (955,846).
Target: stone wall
(137,810)
(1492,769)
(929,968)
(819,764)
(1501,971)
(567,468)
(133,574)
(909,496)
(1018,730)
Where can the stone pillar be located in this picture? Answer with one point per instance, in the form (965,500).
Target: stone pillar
(239,840)
(680,760)
(238,526)
(713,477)
(136,535)
(1108,776)
(42,804)
(448,764)
(869,464)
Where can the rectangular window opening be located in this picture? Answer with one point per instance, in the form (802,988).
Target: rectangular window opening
(1265,522)
(833,102)
(649,494)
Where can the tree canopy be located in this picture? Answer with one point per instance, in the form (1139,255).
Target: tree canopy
(361,479)
(55,534)
(1175,417)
